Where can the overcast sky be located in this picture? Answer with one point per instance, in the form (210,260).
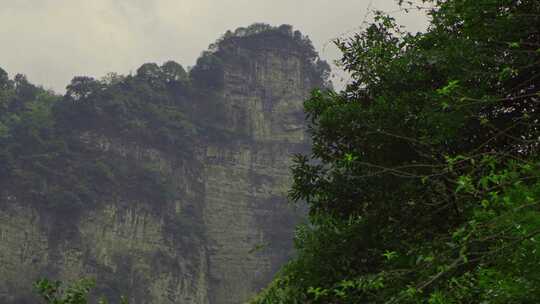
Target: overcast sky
(53,40)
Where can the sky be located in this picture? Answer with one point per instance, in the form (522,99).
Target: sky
(51,41)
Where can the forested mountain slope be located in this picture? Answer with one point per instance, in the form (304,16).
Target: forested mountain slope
(167,186)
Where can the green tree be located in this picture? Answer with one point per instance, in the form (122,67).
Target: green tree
(423,182)
(4,79)
(174,72)
(82,87)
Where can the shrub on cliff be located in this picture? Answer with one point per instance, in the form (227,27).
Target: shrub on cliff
(57,292)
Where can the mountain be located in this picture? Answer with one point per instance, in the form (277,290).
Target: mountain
(168,186)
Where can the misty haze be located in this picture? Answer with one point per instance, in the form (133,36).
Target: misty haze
(227,152)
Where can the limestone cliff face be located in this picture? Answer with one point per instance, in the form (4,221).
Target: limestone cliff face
(225,230)
(246,182)
(154,255)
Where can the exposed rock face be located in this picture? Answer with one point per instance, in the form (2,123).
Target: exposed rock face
(154,255)
(223,234)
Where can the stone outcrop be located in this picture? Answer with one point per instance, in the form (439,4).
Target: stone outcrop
(224,233)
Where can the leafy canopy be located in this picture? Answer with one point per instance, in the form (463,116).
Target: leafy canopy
(423,182)
(56,292)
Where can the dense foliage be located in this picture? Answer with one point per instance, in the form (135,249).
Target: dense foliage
(43,158)
(423,183)
(120,139)
(258,37)
(56,292)
(41,132)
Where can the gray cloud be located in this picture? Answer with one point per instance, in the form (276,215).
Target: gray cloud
(53,40)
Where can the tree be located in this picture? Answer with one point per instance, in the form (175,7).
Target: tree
(5,91)
(82,87)
(174,72)
(4,80)
(149,71)
(423,182)
(24,89)
(208,72)
(111,79)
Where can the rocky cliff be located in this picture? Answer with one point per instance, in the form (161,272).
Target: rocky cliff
(168,187)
